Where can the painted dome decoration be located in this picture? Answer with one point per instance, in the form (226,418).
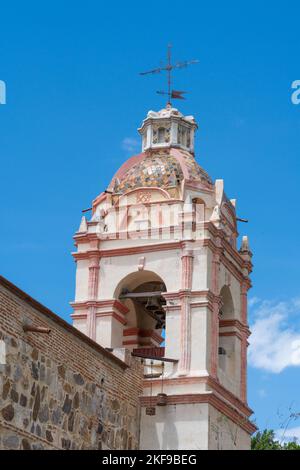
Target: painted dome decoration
(152,171)
(162,169)
(167,157)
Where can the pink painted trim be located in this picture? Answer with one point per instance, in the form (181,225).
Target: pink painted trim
(214,340)
(243,385)
(218,233)
(243,328)
(98,199)
(114,315)
(138,190)
(237,273)
(235,255)
(207,294)
(110,304)
(78,316)
(215,314)
(190,184)
(234,322)
(210,382)
(91,323)
(244,369)
(113,303)
(231,333)
(130,331)
(185,323)
(172,308)
(186,270)
(202,304)
(126,251)
(244,290)
(211,399)
(143,333)
(79,305)
(93,282)
(118,208)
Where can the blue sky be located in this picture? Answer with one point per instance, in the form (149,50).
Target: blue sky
(74,101)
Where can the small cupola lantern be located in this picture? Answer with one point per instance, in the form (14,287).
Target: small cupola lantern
(168,128)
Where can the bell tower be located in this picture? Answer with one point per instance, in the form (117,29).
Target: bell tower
(160,273)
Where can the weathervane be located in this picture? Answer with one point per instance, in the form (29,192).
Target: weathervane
(169,67)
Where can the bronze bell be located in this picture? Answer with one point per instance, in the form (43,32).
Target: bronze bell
(150,410)
(152,303)
(161,399)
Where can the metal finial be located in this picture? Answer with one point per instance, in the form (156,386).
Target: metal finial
(169,67)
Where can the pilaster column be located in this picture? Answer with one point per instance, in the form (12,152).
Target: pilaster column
(174,133)
(214,340)
(243,391)
(244,343)
(244,290)
(92,294)
(185,337)
(215,317)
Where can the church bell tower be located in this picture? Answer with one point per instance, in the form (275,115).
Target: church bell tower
(160,272)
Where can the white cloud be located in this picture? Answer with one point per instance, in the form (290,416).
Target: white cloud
(296,303)
(292,434)
(253,301)
(274,344)
(129,144)
(262,393)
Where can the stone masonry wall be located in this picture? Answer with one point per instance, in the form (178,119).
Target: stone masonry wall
(61,390)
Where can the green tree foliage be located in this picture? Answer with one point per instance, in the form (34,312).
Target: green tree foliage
(266,441)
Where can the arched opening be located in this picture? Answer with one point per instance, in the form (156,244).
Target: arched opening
(183,136)
(141,292)
(188,139)
(145,139)
(229,343)
(161,135)
(227,307)
(200,209)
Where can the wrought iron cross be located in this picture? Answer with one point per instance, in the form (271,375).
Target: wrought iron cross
(169,67)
